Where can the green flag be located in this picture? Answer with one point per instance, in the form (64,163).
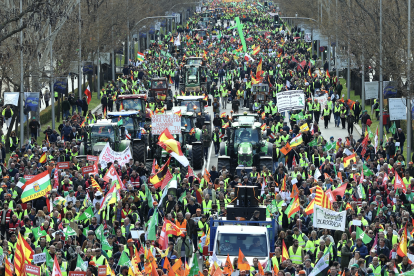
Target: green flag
(124,260)
(87,214)
(312,143)
(153,222)
(85,231)
(120,122)
(393,128)
(329,146)
(300,116)
(69,232)
(367,171)
(49,259)
(371,135)
(148,195)
(361,234)
(37,233)
(105,245)
(182,197)
(194,270)
(99,232)
(81,264)
(290,206)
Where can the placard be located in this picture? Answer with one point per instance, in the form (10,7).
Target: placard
(290,100)
(77,273)
(39,258)
(325,218)
(63,165)
(371,90)
(322,100)
(102,270)
(308,37)
(32,269)
(160,122)
(92,158)
(11,98)
(109,155)
(356,222)
(87,170)
(397,109)
(28,177)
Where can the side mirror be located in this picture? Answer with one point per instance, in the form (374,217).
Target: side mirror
(123,133)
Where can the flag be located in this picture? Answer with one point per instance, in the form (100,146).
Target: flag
(285,254)
(95,184)
(194,268)
(366,170)
(242,263)
(104,113)
(402,246)
(172,229)
(170,80)
(87,214)
(152,225)
(347,160)
(286,149)
(140,56)
(37,233)
(295,207)
(304,127)
(321,199)
(398,183)
(260,268)
(376,141)
(364,145)
(23,253)
(178,113)
(22,181)
(309,209)
(43,158)
(167,266)
(157,179)
(124,259)
(88,94)
(327,74)
(228,267)
(329,146)
(256,50)
(178,268)
(348,206)
(172,39)
(259,71)
(295,192)
(56,268)
(173,147)
(296,141)
(36,187)
(7,267)
(263,127)
(393,128)
(309,72)
(70,232)
(321,264)
(247,57)
(81,264)
(361,234)
(339,191)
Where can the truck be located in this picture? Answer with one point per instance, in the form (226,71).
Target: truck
(241,235)
(245,146)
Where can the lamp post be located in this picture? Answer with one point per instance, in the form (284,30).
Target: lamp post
(409,123)
(21,80)
(80,55)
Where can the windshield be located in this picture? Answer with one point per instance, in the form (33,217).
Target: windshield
(159,84)
(192,75)
(103,133)
(190,105)
(252,245)
(187,121)
(244,119)
(194,61)
(127,122)
(260,88)
(246,135)
(132,104)
(201,33)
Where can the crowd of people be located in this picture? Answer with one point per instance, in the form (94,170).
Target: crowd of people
(375,179)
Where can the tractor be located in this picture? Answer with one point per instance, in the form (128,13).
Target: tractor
(136,102)
(260,92)
(198,61)
(160,92)
(245,146)
(196,104)
(102,132)
(193,79)
(190,139)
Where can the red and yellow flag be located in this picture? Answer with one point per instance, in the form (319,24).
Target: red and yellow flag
(256,50)
(295,207)
(327,74)
(285,254)
(309,209)
(321,199)
(172,39)
(242,263)
(7,267)
(178,113)
(95,184)
(23,253)
(172,229)
(170,80)
(259,70)
(402,246)
(263,127)
(43,158)
(348,206)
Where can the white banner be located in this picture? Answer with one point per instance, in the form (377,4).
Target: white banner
(397,109)
(39,258)
(325,218)
(290,100)
(371,90)
(11,98)
(108,155)
(308,37)
(322,100)
(160,122)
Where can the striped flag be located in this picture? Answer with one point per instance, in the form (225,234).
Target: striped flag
(95,184)
(321,199)
(23,253)
(36,187)
(7,267)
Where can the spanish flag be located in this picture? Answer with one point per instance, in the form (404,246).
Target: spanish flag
(309,209)
(172,39)
(347,160)
(402,246)
(159,177)
(295,207)
(256,50)
(240,48)
(263,127)
(171,81)
(309,72)
(285,254)
(327,74)
(43,158)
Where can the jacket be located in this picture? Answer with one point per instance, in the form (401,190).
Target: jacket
(346,256)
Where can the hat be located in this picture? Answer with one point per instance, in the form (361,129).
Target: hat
(173,257)
(385,208)
(302,272)
(373,203)
(71,191)
(4,186)
(332,137)
(284,204)
(355,265)
(98,193)
(130,240)
(245,176)
(25,155)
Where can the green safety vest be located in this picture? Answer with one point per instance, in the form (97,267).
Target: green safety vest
(216,137)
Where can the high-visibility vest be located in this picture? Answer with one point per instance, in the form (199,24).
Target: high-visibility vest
(201,225)
(326,112)
(64,269)
(207,207)
(311,245)
(182,225)
(216,137)
(300,239)
(375,270)
(100,260)
(296,257)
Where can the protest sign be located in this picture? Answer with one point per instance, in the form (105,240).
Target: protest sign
(371,90)
(63,165)
(160,122)
(322,100)
(77,273)
(87,170)
(39,258)
(11,98)
(92,158)
(102,270)
(109,155)
(290,100)
(325,218)
(32,269)
(397,108)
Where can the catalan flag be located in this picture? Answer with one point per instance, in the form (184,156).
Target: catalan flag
(23,253)
(321,199)
(95,184)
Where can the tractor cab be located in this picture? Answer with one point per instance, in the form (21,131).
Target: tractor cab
(159,89)
(197,61)
(260,92)
(193,79)
(130,120)
(197,105)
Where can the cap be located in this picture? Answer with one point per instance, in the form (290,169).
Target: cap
(302,272)
(284,204)
(98,193)
(155,203)
(410,163)
(173,257)
(130,240)
(355,265)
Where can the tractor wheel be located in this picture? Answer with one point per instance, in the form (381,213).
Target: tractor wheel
(139,152)
(197,157)
(148,166)
(223,162)
(183,171)
(266,162)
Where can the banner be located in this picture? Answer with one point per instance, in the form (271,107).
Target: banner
(290,100)
(160,122)
(325,218)
(109,155)
(11,98)
(308,37)
(397,108)
(371,90)
(31,100)
(63,165)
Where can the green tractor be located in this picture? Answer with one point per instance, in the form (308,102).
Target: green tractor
(245,146)
(190,139)
(193,79)
(102,132)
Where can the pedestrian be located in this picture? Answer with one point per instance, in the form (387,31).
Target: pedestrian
(206,143)
(216,140)
(326,115)
(7,115)
(84,106)
(350,121)
(34,126)
(343,116)
(216,106)
(72,102)
(104,102)
(66,108)
(47,97)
